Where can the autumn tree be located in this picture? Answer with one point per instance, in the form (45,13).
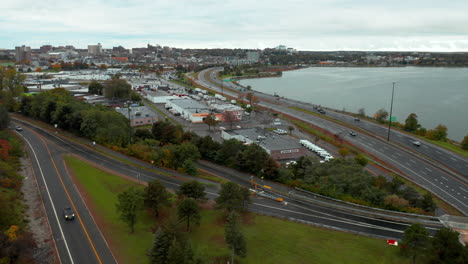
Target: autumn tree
(343,152)
(464,143)
(128,204)
(230,117)
(381,115)
(416,241)
(411,123)
(438,133)
(210,121)
(155,196)
(11,86)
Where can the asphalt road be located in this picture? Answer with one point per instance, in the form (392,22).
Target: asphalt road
(79,245)
(78,240)
(439,181)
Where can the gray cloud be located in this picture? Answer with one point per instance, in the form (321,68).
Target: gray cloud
(309,25)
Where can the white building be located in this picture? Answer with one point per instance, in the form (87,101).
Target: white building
(95,49)
(253,56)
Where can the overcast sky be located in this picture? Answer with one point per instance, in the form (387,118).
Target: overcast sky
(305,25)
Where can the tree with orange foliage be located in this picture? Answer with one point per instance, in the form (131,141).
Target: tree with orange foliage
(38,69)
(57,67)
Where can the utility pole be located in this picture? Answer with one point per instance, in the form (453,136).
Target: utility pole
(391,108)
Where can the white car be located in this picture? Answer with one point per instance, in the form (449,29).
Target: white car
(416,143)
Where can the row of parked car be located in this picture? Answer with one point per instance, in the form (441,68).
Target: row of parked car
(316,149)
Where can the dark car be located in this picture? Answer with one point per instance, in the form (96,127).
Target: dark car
(357,119)
(68,214)
(352,133)
(18,128)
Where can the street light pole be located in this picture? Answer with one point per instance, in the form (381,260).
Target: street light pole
(391,109)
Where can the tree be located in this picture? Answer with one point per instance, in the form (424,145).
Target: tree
(447,249)
(4,117)
(427,203)
(416,241)
(361,160)
(411,123)
(381,115)
(233,237)
(438,133)
(211,121)
(464,143)
(11,86)
(361,112)
(232,197)
(155,196)
(188,209)
(230,117)
(290,128)
(128,204)
(252,159)
(343,152)
(161,244)
(193,189)
(117,88)
(95,87)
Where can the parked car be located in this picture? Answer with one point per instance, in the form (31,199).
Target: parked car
(68,213)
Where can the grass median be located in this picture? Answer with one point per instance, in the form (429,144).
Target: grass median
(269,240)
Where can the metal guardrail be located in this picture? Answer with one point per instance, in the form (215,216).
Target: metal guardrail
(365,210)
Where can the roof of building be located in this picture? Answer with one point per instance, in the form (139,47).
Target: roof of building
(265,138)
(189,104)
(136,112)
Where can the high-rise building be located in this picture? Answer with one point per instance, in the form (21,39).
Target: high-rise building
(46,48)
(95,49)
(23,53)
(253,56)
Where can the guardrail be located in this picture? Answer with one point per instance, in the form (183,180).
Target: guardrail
(365,210)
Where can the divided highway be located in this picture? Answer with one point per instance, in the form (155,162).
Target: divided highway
(81,248)
(443,183)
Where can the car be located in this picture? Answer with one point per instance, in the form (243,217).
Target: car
(18,128)
(352,133)
(357,119)
(68,213)
(416,143)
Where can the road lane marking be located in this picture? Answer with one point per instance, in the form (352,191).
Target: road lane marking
(428,169)
(386,148)
(71,202)
(438,152)
(398,154)
(444,178)
(50,199)
(462,189)
(407,164)
(454,159)
(412,161)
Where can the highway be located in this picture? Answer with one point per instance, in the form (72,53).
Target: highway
(443,183)
(79,240)
(80,249)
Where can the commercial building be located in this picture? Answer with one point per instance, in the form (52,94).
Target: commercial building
(22,54)
(95,49)
(139,115)
(191,110)
(279,147)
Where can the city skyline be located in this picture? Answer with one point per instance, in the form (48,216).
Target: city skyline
(312,25)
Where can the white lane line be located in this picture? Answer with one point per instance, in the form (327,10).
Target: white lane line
(398,135)
(444,178)
(412,161)
(438,152)
(425,146)
(50,199)
(462,189)
(386,148)
(428,169)
(423,172)
(407,164)
(454,159)
(394,156)
(398,154)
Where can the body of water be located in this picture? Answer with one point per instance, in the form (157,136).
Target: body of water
(436,95)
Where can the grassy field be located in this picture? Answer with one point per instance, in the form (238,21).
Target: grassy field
(101,190)
(269,240)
